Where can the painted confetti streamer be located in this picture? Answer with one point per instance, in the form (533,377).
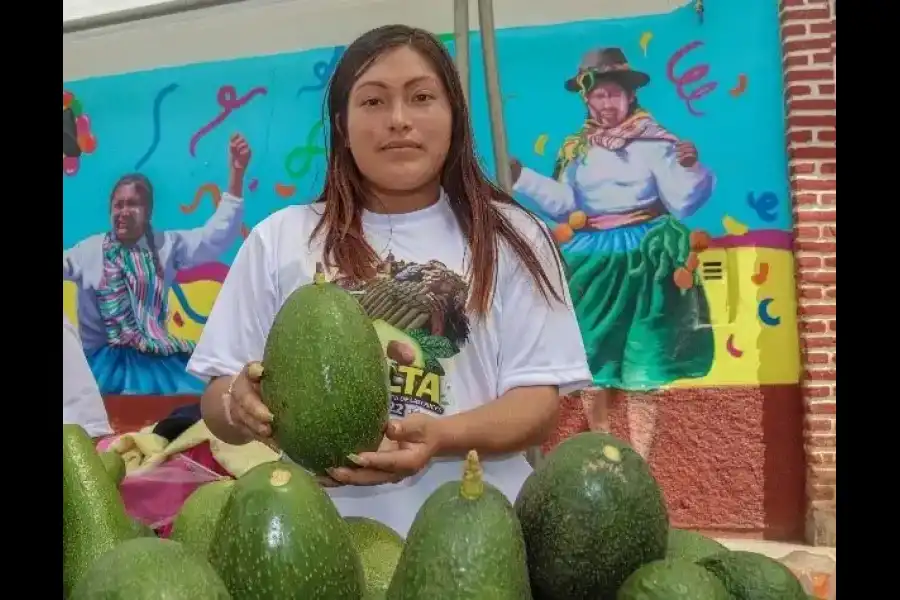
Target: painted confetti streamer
(157,125)
(693,75)
(229,101)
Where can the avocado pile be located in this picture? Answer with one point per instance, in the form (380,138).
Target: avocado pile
(590,523)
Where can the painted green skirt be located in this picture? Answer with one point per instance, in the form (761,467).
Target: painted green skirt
(640,330)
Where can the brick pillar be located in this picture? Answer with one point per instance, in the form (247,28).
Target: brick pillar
(809,44)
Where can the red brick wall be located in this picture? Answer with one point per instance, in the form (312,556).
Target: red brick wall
(808,34)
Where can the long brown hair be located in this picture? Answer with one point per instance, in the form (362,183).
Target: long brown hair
(471,195)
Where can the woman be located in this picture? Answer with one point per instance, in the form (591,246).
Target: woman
(620,186)
(124,277)
(406,204)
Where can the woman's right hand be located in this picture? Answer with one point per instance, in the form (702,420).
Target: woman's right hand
(251,416)
(245,408)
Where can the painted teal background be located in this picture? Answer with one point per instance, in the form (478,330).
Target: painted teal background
(741,139)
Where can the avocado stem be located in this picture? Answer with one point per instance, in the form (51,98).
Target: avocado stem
(473,478)
(319,277)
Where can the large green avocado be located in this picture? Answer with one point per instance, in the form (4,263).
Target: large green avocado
(280,537)
(379,548)
(150,569)
(672,579)
(94,518)
(754,576)
(464,543)
(690,545)
(195,523)
(592,514)
(325,378)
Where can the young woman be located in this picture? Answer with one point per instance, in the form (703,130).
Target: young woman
(407,212)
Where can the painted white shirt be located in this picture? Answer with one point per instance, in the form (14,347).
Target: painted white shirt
(523,341)
(613,182)
(177,249)
(82,402)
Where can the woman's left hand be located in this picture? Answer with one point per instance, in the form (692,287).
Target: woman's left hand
(408,447)
(686,154)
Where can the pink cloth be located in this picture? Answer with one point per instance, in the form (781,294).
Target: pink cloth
(155,497)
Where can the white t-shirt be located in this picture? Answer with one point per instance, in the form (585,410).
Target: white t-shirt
(82,402)
(464,362)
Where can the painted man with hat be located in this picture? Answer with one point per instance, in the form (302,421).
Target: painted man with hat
(619,188)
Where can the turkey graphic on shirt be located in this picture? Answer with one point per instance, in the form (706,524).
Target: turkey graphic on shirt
(419,313)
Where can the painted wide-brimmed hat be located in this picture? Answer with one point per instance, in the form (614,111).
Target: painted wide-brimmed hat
(606,64)
(70,135)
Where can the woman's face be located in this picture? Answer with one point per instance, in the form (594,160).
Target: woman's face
(609,103)
(129,214)
(399,122)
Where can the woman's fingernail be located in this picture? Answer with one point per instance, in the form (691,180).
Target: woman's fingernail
(356,460)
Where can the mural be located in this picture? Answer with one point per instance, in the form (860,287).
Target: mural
(652,146)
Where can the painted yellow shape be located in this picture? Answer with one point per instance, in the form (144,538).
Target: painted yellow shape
(771,355)
(540,144)
(70,301)
(645,41)
(733,226)
(201,296)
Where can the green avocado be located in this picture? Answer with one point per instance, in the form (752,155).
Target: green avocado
(379,548)
(592,514)
(325,378)
(114,465)
(464,543)
(280,537)
(195,523)
(94,518)
(150,569)
(691,546)
(754,576)
(672,579)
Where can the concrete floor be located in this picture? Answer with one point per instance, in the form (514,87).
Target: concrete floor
(776,549)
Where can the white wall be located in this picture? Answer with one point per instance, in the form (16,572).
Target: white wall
(79,9)
(259,27)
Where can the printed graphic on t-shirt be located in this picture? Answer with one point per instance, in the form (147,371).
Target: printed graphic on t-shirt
(418,310)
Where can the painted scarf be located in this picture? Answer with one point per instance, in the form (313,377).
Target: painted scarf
(639,126)
(132,300)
